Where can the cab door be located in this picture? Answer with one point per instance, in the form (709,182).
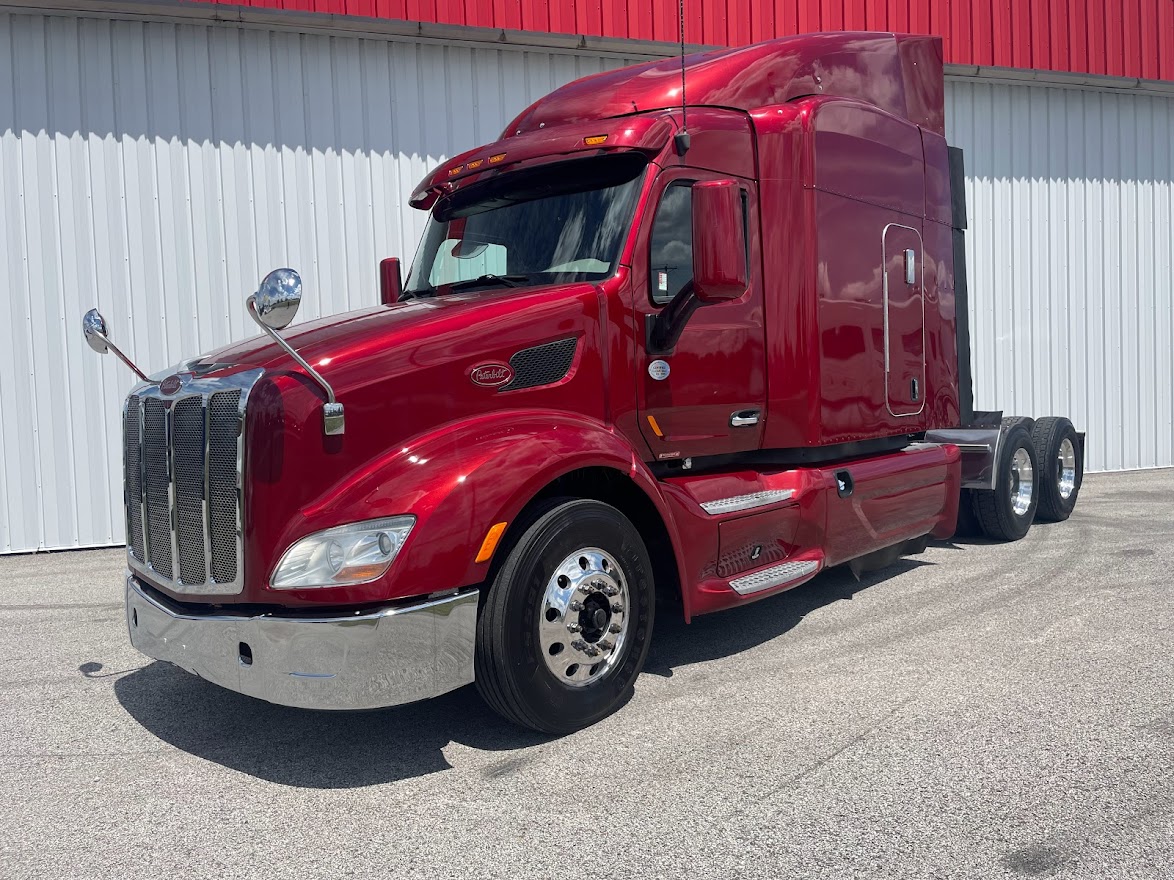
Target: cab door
(707,395)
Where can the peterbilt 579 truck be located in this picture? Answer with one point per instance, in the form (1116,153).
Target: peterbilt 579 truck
(689,331)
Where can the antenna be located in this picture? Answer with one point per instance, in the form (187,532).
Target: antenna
(681,139)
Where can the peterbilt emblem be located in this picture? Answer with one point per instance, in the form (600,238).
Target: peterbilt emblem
(491,375)
(171,384)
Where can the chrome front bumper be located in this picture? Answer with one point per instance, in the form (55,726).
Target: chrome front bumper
(365,660)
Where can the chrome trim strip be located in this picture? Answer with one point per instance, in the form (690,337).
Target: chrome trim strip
(172,501)
(775,576)
(746,502)
(974,447)
(205,509)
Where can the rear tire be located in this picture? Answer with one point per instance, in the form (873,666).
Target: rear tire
(566,624)
(1005,514)
(1057,447)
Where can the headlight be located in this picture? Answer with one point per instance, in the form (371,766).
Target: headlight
(343,555)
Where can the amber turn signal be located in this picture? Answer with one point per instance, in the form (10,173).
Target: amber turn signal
(490,543)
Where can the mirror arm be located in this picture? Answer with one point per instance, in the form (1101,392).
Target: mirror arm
(332,411)
(663,330)
(118,354)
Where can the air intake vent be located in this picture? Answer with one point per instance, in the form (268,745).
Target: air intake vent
(542,364)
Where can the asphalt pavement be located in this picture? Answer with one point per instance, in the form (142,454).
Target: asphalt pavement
(979,710)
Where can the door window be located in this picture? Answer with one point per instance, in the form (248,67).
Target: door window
(671,259)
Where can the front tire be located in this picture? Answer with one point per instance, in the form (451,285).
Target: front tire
(567,621)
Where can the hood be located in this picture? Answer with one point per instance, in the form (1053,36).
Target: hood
(345,348)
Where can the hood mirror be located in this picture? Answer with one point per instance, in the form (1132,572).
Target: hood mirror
(277,299)
(273,306)
(94,328)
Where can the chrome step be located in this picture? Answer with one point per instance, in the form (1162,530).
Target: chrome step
(775,576)
(746,502)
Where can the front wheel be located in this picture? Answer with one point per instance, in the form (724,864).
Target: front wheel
(567,621)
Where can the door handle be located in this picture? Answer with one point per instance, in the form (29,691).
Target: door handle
(744,418)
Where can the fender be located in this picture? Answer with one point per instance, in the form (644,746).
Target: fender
(459,480)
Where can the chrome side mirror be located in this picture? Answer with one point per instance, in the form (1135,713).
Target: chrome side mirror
(94,328)
(277,299)
(273,306)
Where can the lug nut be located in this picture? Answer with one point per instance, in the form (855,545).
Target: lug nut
(617,608)
(573,627)
(605,646)
(579,645)
(576,605)
(614,628)
(612,590)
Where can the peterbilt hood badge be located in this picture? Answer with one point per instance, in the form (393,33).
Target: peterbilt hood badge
(171,384)
(491,375)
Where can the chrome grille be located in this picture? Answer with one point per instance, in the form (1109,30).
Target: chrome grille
(183,503)
(223,431)
(157,485)
(188,462)
(133,489)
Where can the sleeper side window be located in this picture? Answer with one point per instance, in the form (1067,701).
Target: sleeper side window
(670,264)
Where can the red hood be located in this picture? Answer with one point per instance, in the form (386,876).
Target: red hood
(342,347)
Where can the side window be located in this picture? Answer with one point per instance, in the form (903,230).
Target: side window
(670,265)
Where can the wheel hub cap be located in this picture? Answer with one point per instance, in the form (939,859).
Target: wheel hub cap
(1022,482)
(583,618)
(1066,465)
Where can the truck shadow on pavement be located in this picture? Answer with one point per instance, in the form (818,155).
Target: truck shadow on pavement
(309,749)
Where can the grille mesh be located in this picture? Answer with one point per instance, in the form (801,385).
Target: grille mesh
(542,364)
(188,461)
(224,425)
(154,455)
(133,485)
(181,486)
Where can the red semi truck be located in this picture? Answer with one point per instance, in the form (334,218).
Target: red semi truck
(689,345)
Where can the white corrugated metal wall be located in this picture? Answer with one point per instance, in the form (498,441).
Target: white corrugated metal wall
(156,170)
(1071,211)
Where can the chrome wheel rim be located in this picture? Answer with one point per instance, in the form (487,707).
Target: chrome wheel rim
(583,617)
(1022,482)
(1066,465)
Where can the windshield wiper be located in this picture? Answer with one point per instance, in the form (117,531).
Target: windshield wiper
(507,280)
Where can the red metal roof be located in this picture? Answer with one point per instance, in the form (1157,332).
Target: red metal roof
(1132,38)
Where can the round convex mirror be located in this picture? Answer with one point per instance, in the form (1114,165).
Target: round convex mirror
(277,299)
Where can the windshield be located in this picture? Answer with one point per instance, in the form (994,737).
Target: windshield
(548,225)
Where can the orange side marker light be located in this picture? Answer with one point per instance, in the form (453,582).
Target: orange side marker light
(655,427)
(490,543)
